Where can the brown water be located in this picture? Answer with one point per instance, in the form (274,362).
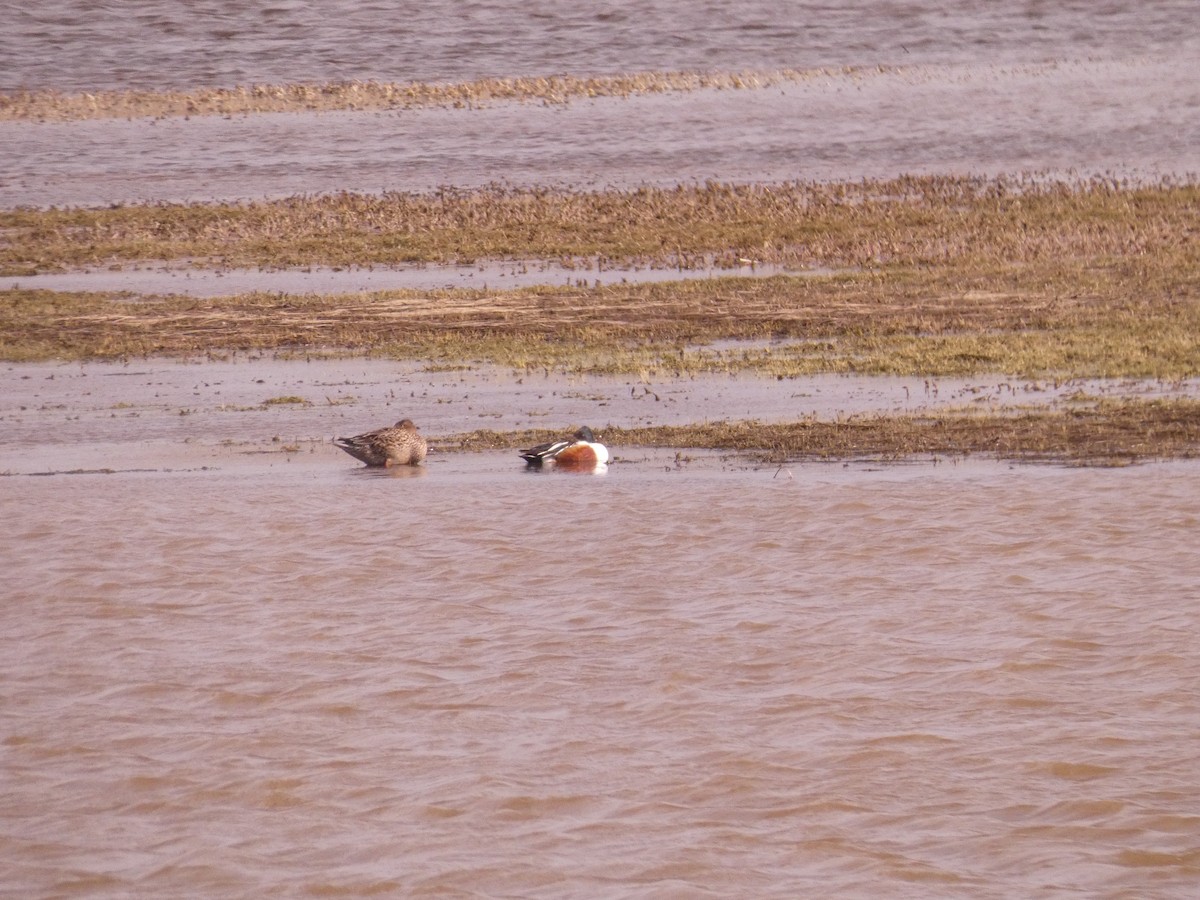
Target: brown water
(228,670)
(302,679)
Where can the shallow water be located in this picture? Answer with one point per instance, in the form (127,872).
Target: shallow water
(1067,89)
(496,275)
(162,414)
(78,46)
(296,677)
(1134,119)
(223,641)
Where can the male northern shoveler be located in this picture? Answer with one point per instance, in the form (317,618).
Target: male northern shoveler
(399,445)
(579,451)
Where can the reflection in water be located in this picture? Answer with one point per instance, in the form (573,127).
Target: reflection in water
(389,471)
(566,470)
(926,680)
(159,413)
(243,674)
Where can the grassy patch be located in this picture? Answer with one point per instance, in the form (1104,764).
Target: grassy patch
(1103,433)
(993,227)
(935,276)
(781,327)
(374,95)
(284,401)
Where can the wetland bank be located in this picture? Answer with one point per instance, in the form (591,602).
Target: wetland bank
(934,277)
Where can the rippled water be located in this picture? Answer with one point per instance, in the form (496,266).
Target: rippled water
(303,679)
(1134,119)
(78,46)
(982,88)
(231,668)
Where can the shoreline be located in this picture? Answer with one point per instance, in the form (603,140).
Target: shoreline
(924,277)
(104,415)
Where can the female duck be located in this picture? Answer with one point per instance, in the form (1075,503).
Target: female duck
(400,445)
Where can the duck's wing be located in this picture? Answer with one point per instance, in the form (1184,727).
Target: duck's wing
(535,456)
(367,448)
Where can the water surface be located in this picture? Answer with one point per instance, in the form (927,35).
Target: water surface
(1133,119)
(165,414)
(154,44)
(690,680)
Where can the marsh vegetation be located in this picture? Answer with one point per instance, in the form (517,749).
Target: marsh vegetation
(376,95)
(932,276)
(1100,433)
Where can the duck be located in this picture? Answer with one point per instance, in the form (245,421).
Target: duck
(579,451)
(399,445)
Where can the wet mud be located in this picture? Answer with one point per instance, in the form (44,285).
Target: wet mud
(170,414)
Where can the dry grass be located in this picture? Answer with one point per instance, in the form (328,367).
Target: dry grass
(936,276)
(1106,433)
(54,106)
(901,325)
(969,225)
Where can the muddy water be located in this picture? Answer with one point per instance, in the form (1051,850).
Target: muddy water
(233,669)
(235,664)
(297,679)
